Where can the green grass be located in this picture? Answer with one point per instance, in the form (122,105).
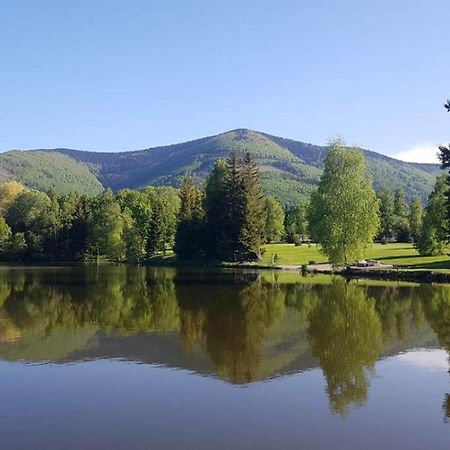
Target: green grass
(398,254)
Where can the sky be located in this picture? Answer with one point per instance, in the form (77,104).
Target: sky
(114,75)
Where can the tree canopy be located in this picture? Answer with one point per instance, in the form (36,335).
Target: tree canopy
(344,212)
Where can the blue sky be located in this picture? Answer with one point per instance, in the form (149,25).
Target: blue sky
(121,75)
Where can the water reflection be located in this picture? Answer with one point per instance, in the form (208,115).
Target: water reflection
(242,327)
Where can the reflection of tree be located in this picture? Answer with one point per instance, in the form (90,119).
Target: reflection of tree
(437,311)
(345,336)
(399,307)
(122,300)
(232,322)
(446,407)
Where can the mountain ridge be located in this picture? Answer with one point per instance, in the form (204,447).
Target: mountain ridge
(290,170)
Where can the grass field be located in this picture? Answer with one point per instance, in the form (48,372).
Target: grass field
(399,254)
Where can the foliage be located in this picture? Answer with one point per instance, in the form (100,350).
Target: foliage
(290,170)
(50,170)
(190,230)
(9,190)
(343,214)
(415,218)
(273,220)
(387,214)
(401,214)
(296,221)
(345,335)
(433,238)
(5,235)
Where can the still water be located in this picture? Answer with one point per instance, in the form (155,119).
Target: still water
(139,358)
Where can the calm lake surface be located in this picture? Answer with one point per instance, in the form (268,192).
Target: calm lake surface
(138,358)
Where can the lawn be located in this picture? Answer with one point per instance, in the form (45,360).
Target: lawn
(399,254)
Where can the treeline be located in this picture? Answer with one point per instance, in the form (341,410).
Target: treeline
(228,219)
(130,226)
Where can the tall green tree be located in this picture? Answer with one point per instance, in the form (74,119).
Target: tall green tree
(273,220)
(189,238)
(344,212)
(387,214)
(444,156)
(35,215)
(401,213)
(234,208)
(216,215)
(433,238)
(105,228)
(296,223)
(415,218)
(252,231)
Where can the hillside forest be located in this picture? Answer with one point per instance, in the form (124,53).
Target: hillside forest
(227,218)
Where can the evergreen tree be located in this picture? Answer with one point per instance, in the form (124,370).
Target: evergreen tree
(234,210)
(190,231)
(216,215)
(444,156)
(156,236)
(252,198)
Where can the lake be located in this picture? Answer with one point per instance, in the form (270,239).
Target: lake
(115,357)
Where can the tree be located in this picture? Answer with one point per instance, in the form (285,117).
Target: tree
(9,191)
(163,219)
(401,213)
(234,209)
(433,238)
(273,220)
(387,214)
(444,156)
(415,218)
(5,235)
(189,236)
(35,215)
(216,216)
(252,231)
(296,223)
(105,228)
(344,213)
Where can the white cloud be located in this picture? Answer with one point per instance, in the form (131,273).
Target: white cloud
(421,153)
(432,360)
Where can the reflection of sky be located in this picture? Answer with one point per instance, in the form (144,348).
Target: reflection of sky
(432,360)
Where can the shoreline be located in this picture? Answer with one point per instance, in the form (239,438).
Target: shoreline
(390,274)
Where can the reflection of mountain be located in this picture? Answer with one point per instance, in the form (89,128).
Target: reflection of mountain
(232,325)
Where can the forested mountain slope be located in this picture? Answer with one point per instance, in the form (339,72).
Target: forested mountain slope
(290,169)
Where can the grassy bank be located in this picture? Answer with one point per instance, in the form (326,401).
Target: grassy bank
(403,255)
(399,254)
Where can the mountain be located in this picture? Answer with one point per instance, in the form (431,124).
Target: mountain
(290,169)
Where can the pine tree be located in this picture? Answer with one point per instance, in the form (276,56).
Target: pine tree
(189,235)
(216,214)
(252,231)
(234,210)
